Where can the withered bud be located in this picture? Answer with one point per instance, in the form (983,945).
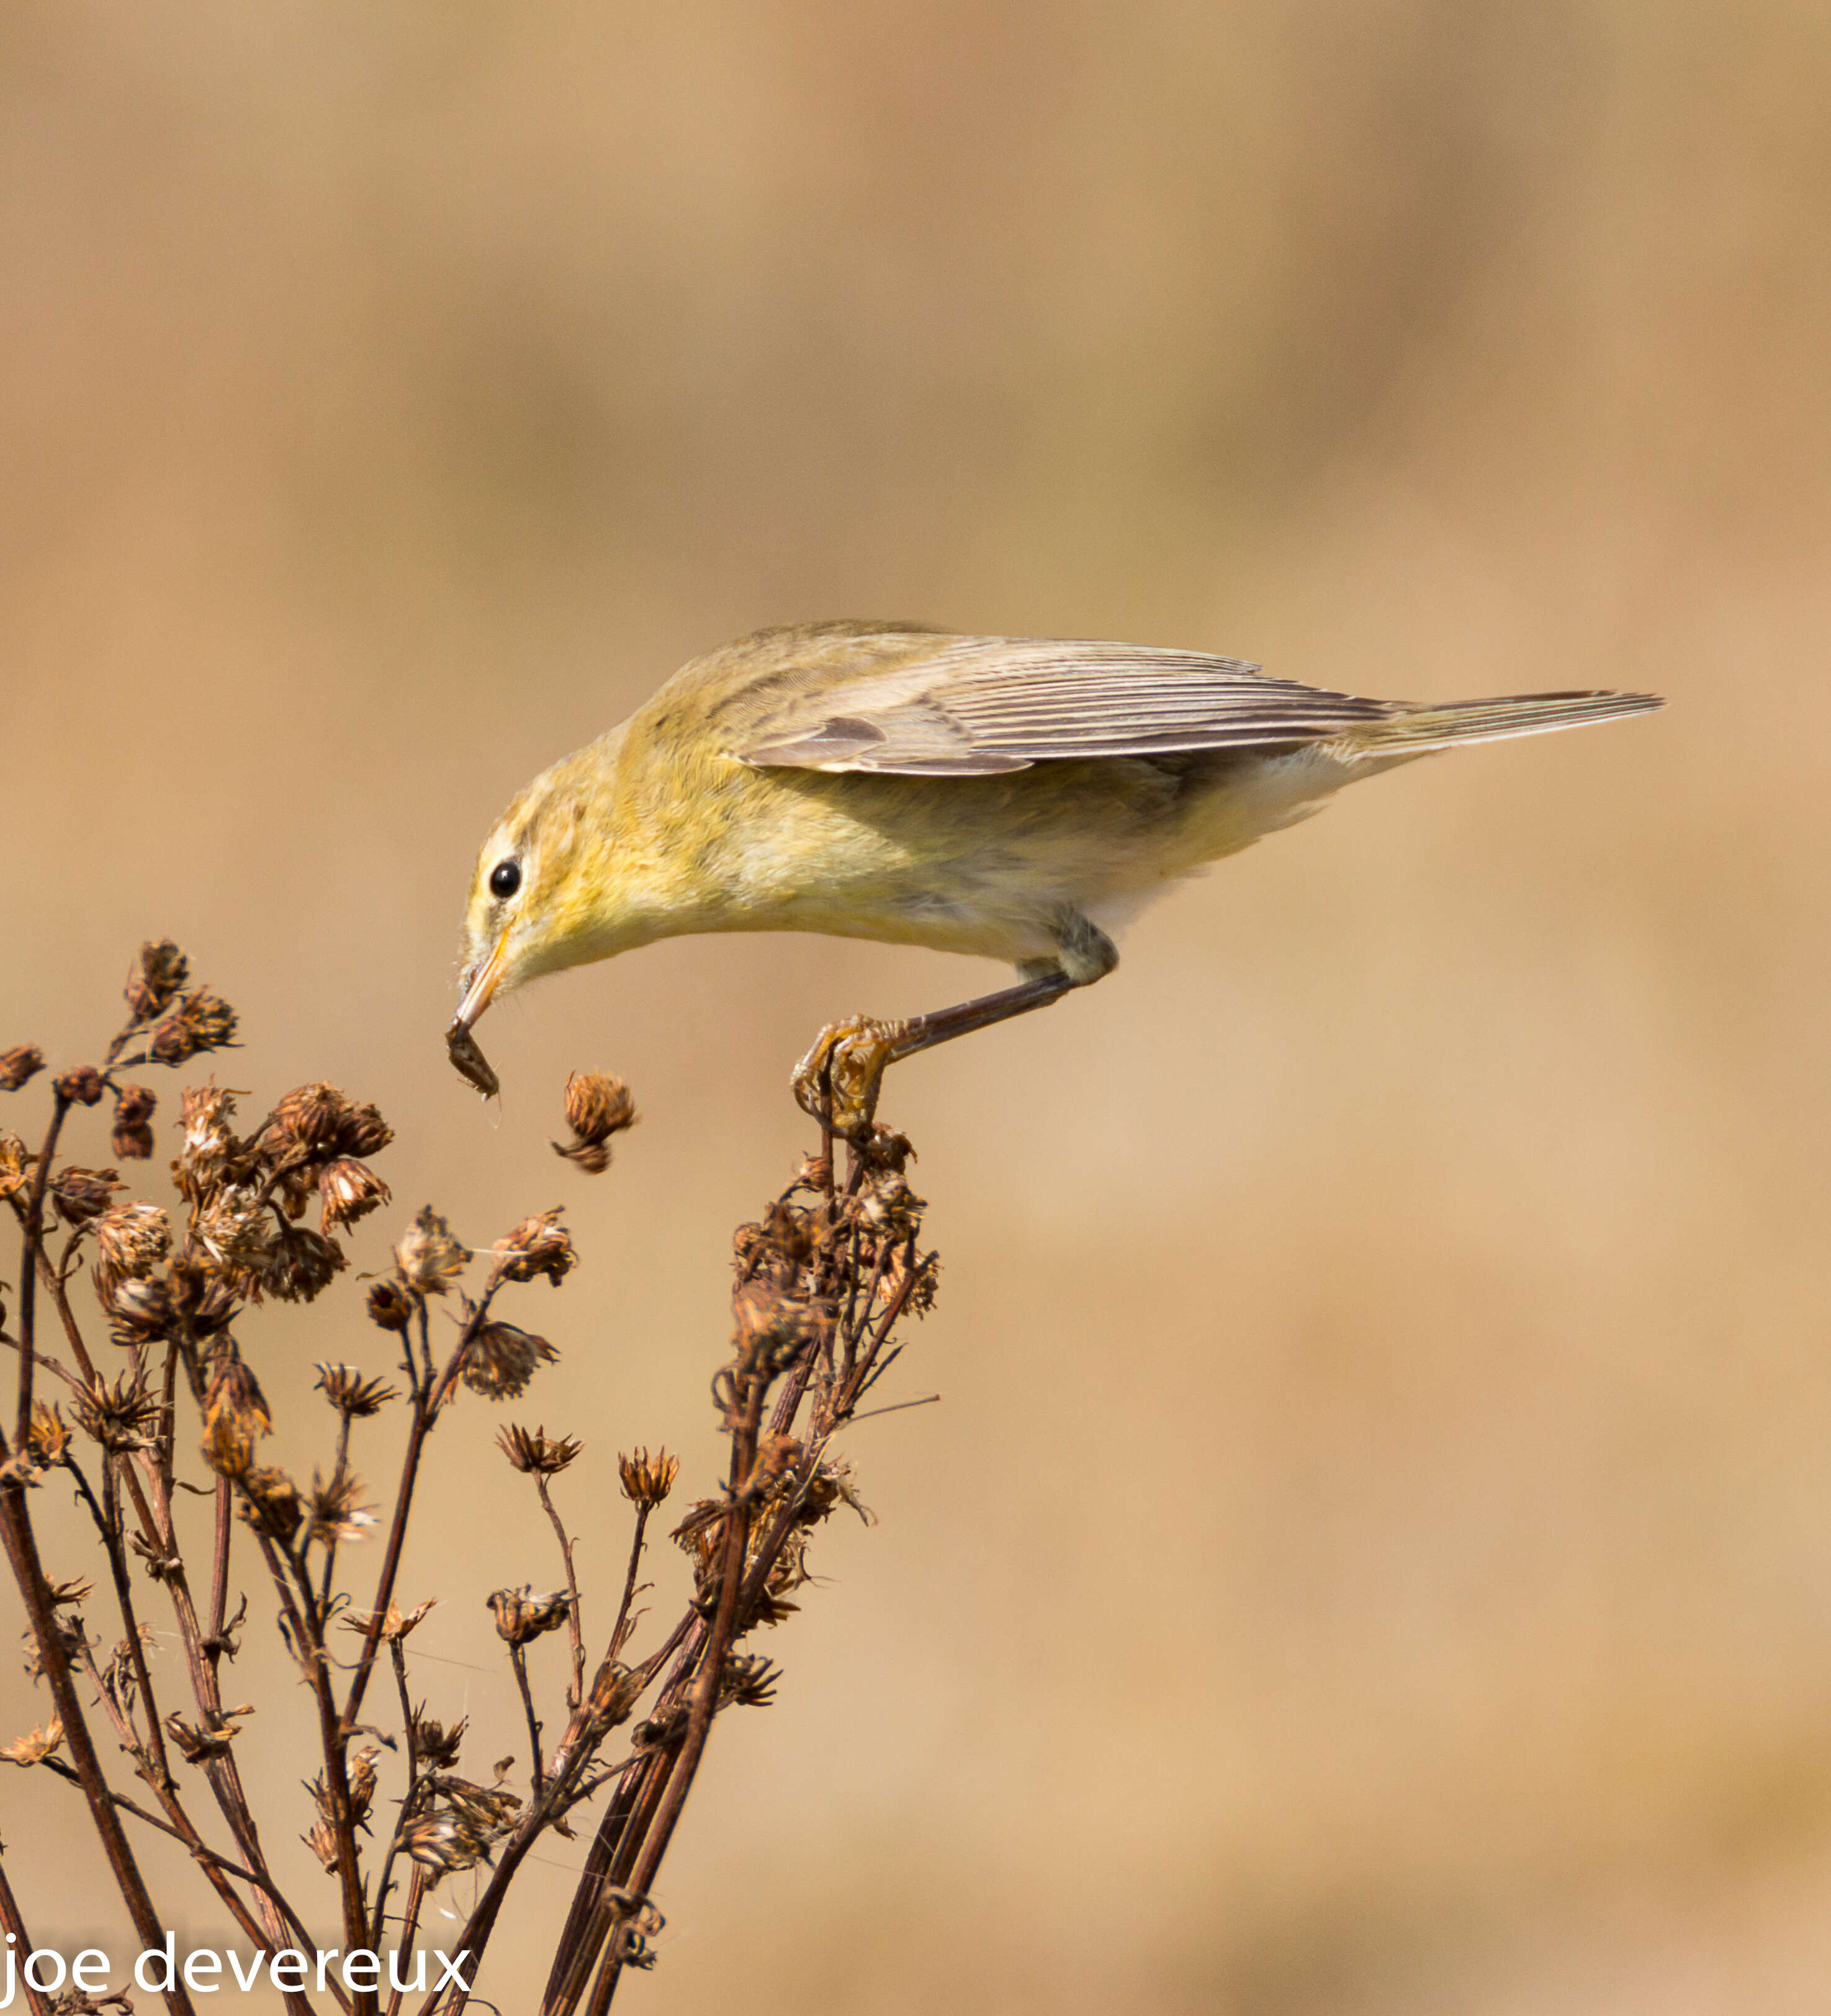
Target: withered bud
(132,1138)
(521,1615)
(429,1257)
(647,1479)
(28,1750)
(199,1745)
(48,1435)
(132,1239)
(437,1745)
(350,1394)
(235,1391)
(228,1446)
(776,1455)
(300,1264)
(363,1132)
(535,1453)
(350,1190)
(19,1065)
(271,1504)
(362,1781)
(322,1842)
(81,1195)
(159,970)
(615,1692)
(207,1303)
(446,1841)
(538,1245)
(772,1329)
(237,1230)
(336,1510)
(310,1115)
(391,1305)
(500,1360)
(81,1087)
(209,1149)
(597,1106)
(16,1164)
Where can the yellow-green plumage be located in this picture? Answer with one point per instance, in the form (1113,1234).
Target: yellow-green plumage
(1008,797)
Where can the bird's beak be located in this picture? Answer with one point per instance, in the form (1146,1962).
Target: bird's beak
(484,981)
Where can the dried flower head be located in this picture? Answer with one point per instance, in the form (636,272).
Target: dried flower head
(237,1229)
(301,1263)
(350,1394)
(160,969)
(83,1087)
(615,1691)
(336,1511)
(322,1842)
(16,1164)
(132,1240)
(270,1503)
(207,1302)
(521,1615)
(120,1414)
(310,1116)
(429,1257)
(535,1453)
(396,1622)
(138,1311)
(598,1108)
(390,1304)
(500,1360)
(460,1833)
(34,1749)
(132,1138)
(19,1066)
(749,1679)
(647,1479)
(236,1393)
(82,1195)
(209,1149)
(437,1745)
(203,1021)
(538,1245)
(350,1190)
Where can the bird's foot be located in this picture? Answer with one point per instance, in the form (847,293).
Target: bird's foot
(838,1081)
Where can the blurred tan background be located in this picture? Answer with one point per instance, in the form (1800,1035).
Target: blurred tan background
(1375,1551)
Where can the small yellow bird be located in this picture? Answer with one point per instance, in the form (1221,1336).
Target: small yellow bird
(1015,798)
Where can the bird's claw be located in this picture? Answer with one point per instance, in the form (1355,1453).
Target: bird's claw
(838,1081)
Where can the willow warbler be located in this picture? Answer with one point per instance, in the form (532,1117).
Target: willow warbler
(1014,797)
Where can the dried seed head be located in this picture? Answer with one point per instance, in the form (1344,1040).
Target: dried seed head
(647,1479)
(350,1190)
(538,1245)
(310,1116)
(48,1435)
(81,1195)
(500,1360)
(363,1132)
(270,1503)
(120,1414)
(229,1447)
(236,1393)
(521,1615)
(336,1510)
(159,970)
(238,1231)
(396,1623)
(447,1840)
(437,1745)
(536,1453)
(132,1138)
(390,1304)
(300,1264)
(749,1679)
(16,1164)
(202,1021)
(84,1086)
(139,1312)
(19,1065)
(28,1750)
(429,1257)
(362,1781)
(350,1394)
(322,1842)
(209,1148)
(132,1239)
(598,1108)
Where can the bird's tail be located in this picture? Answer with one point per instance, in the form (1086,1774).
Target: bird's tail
(1414,730)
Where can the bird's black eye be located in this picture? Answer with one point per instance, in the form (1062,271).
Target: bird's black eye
(505,878)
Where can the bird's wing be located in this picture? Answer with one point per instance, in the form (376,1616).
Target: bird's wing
(973,706)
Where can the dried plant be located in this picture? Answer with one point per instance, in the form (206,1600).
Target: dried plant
(116,1400)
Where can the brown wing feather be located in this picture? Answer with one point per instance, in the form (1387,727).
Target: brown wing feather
(974,706)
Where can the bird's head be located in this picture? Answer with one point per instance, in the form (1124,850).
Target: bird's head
(538,898)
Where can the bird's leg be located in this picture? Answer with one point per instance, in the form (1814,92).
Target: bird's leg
(837,1082)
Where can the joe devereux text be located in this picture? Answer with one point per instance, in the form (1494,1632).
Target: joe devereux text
(208,1969)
